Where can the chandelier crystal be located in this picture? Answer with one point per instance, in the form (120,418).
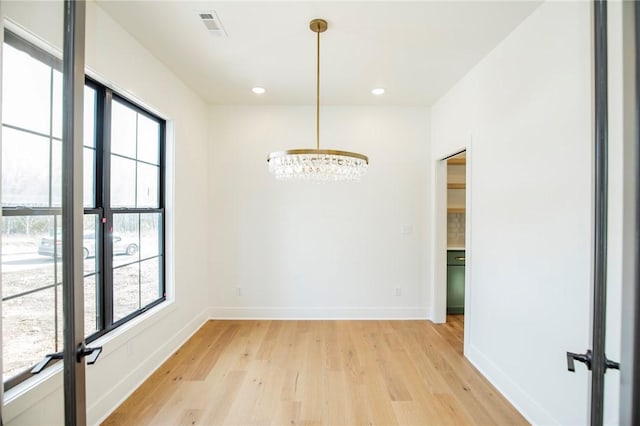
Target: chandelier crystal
(320,165)
(317,165)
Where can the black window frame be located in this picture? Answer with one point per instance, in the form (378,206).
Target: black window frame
(101,202)
(105,97)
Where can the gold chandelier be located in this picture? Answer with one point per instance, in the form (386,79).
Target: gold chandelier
(318,165)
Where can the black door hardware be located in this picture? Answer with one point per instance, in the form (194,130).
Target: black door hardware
(92,355)
(586,359)
(611,364)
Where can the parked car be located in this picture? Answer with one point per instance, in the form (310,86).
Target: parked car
(120,246)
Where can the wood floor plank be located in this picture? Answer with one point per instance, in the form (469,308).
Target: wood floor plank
(190,418)
(311,380)
(221,397)
(319,373)
(388,369)
(286,413)
(209,352)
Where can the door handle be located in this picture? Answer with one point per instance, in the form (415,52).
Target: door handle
(584,358)
(92,355)
(587,359)
(611,364)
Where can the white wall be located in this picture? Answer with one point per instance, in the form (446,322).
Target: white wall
(335,250)
(135,350)
(525,111)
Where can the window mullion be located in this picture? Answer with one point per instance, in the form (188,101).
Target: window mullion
(161,204)
(106,230)
(50,136)
(98,202)
(56,278)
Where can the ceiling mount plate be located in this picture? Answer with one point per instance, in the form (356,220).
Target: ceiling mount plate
(318,25)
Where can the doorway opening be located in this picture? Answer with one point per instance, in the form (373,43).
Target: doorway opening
(452,243)
(456,237)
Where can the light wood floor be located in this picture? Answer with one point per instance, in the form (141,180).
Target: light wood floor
(319,373)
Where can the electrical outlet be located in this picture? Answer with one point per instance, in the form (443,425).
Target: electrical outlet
(398,291)
(239,291)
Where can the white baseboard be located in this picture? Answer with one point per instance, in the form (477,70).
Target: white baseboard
(315,313)
(108,402)
(522,401)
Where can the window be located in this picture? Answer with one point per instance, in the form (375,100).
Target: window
(123,243)
(135,182)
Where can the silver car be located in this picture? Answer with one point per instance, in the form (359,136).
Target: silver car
(120,246)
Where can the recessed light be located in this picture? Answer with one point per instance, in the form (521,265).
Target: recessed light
(258,90)
(379,91)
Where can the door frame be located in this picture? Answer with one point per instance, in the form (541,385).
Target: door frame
(1,349)
(439,245)
(72,214)
(73,76)
(630,334)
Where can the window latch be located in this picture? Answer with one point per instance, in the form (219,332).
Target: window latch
(45,361)
(92,355)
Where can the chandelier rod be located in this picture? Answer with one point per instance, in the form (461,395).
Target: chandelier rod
(318,90)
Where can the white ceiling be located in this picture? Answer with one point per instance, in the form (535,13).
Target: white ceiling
(415,50)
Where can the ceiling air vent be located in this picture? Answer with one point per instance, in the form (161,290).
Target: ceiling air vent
(212,23)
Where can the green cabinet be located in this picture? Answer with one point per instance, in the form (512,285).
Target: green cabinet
(455,281)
